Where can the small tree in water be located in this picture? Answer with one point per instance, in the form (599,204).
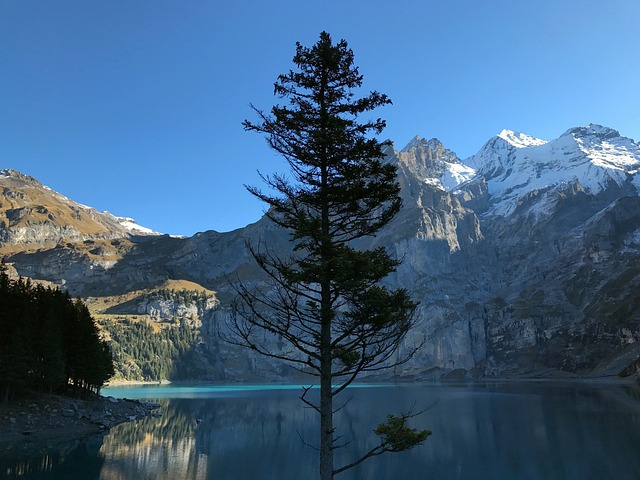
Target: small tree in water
(326,301)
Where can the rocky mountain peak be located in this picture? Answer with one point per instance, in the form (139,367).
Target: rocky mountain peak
(497,155)
(494,158)
(602,147)
(593,131)
(415,142)
(419,142)
(16,178)
(431,162)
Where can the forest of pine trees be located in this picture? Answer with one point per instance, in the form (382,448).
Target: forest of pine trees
(48,342)
(142,354)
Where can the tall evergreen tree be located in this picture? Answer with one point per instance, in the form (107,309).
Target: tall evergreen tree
(48,317)
(326,300)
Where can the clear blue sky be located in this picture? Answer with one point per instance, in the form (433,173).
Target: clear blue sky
(135,107)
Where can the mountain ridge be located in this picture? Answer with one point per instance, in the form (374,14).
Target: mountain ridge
(547,284)
(592,156)
(33,213)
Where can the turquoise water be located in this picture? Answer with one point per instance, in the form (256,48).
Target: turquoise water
(199,390)
(496,431)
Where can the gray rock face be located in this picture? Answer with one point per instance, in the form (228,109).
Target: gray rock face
(525,258)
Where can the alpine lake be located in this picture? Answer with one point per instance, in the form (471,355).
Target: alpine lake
(490,430)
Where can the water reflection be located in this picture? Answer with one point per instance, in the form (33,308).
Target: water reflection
(59,461)
(496,431)
(159,448)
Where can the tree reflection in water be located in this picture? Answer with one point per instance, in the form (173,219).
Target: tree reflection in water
(58,460)
(498,431)
(214,438)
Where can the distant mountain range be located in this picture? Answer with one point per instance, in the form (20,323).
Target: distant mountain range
(525,257)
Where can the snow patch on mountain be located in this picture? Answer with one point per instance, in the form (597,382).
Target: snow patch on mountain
(456,174)
(133,228)
(519,139)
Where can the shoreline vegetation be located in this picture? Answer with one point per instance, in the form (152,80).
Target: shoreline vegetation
(605,379)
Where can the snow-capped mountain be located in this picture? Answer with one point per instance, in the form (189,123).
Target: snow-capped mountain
(593,157)
(525,257)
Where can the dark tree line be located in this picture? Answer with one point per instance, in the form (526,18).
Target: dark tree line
(48,341)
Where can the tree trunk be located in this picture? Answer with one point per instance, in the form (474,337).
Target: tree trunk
(326,312)
(326,407)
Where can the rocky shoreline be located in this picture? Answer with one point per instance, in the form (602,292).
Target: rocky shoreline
(41,422)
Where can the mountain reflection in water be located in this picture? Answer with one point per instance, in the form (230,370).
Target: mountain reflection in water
(235,437)
(518,430)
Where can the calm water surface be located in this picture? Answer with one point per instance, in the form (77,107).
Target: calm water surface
(496,431)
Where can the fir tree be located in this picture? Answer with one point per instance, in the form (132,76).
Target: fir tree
(326,300)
